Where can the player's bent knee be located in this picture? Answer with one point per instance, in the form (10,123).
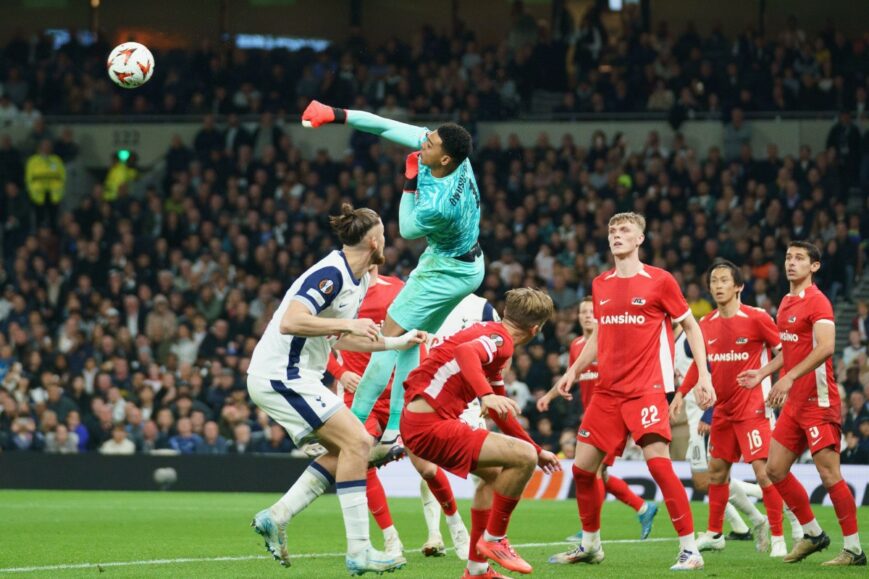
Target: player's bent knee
(526,456)
(427,471)
(830,474)
(775,472)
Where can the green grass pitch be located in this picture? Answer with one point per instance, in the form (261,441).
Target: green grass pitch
(153,534)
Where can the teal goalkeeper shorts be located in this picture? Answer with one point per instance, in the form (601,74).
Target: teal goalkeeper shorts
(434,288)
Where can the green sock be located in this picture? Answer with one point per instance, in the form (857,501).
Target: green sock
(373,382)
(408,360)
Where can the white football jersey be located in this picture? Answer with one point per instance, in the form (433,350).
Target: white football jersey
(329,290)
(683,358)
(470,310)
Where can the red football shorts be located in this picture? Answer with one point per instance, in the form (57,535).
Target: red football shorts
(798,433)
(449,443)
(731,439)
(375,424)
(610,458)
(610,419)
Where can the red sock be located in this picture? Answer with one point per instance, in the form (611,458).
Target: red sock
(774,509)
(377,500)
(845,507)
(718,495)
(795,497)
(674,493)
(588,500)
(443,492)
(502,508)
(620,490)
(479,520)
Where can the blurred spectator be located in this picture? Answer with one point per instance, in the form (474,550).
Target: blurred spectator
(185,442)
(121,173)
(857,410)
(736,134)
(854,348)
(275,441)
(844,138)
(212,442)
(699,305)
(854,453)
(860,323)
(61,441)
(45,175)
(241,442)
(119,443)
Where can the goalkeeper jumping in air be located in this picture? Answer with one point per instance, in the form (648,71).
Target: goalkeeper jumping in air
(441,202)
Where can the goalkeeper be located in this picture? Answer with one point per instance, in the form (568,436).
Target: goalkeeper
(441,202)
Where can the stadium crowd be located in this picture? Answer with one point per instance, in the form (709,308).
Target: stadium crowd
(588,67)
(126,324)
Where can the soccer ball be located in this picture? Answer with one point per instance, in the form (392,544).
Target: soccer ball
(130,65)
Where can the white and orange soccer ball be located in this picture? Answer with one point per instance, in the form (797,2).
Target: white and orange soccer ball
(130,65)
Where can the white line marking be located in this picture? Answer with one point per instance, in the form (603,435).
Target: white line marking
(255,557)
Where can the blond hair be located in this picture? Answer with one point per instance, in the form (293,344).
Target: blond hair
(630,217)
(527,307)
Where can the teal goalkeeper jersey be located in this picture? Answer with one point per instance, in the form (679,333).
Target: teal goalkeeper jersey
(446,211)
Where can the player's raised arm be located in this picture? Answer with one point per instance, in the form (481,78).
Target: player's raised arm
(317,114)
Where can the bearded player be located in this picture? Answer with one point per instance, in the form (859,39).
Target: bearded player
(466,366)
(807,393)
(382,289)
(634,305)
(738,338)
(441,202)
(317,313)
(587,382)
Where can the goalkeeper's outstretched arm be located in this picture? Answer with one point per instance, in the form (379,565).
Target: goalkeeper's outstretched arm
(318,114)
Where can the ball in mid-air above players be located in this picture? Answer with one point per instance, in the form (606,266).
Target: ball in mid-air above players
(130,65)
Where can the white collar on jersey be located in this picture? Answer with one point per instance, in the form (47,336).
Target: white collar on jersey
(642,271)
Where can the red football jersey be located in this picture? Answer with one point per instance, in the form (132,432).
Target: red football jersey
(374,305)
(587,378)
(733,345)
(438,379)
(816,393)
(635,336)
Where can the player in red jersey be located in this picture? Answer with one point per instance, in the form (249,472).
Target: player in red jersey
(738,338)
(348,371)
(588,380)
(465,366)
(807,393)
(635,305)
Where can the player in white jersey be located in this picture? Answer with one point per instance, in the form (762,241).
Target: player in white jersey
(285,376)
(471,309)
(697,457)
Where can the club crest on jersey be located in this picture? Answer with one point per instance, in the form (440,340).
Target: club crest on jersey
(499,341)
(638,302)
(741,341)
(792,319)
(326,286)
